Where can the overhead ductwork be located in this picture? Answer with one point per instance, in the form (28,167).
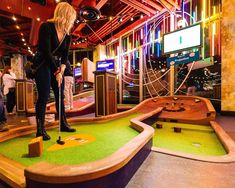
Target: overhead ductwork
(89,13)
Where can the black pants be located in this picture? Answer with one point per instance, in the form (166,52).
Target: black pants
(44,80)
(11,100)
(2,110)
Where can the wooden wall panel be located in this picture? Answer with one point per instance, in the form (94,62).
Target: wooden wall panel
(228,56)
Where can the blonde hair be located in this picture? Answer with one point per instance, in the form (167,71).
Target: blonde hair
(64,17)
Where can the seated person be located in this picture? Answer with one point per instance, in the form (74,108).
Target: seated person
(191,90)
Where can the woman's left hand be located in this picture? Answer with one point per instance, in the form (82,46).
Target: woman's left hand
(62,68)
(59,79)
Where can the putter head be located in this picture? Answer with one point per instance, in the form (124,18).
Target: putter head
(60,142)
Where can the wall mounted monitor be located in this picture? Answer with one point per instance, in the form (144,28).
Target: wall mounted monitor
(108,65)
(77,71)
(183,39)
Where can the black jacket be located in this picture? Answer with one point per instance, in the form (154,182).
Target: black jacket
(48,41)
(68,71)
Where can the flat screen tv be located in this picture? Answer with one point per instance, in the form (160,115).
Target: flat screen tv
(77,71)
(183,39)
(105,65)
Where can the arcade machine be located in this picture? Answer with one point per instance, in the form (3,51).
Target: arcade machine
(77,78)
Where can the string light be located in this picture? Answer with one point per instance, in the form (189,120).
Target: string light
(80,40)
(120,20)
(14,18)
(119,17)
(21,33)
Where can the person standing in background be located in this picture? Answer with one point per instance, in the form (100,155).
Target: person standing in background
(9,82)
(3,119)
(68,87)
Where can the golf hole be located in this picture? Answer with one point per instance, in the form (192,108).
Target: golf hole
(196,144)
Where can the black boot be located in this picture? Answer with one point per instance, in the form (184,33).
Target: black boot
(65,127)
(41,130)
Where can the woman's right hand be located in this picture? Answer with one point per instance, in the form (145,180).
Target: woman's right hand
(59,79)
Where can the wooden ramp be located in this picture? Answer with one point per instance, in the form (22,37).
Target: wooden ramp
(83,103)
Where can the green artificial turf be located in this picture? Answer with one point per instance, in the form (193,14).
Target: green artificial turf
(109,137)
(132,105)
(193,139)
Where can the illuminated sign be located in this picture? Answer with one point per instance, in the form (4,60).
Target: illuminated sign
(77,71)
(182,59)
(183,39)
(105,65)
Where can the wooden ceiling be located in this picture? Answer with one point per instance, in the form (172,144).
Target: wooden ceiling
(85,33)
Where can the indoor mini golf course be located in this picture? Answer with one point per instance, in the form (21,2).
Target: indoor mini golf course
(107,150)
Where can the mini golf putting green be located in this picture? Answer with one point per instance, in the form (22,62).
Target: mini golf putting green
(72,141)
(193,139)
(105,139)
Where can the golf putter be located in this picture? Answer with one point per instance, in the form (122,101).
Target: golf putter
(59,141)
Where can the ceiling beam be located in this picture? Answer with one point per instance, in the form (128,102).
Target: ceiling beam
(76,3)
(153,4)
(175,4)
(5,15)
(166,5)
(140,6)
(81,45)
(115,25)
(9,16)
(107,25)
(100,4)
(21,8)
(129,28)
(13,32)
(21,25)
